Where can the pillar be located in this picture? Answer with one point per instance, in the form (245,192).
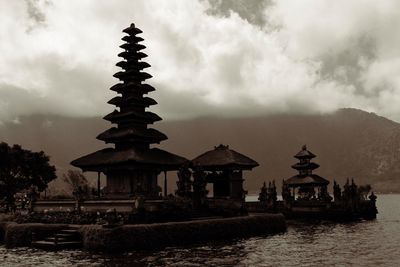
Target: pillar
(98,184)
(165,184)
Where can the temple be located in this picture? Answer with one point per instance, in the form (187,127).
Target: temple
(131,166)
(209,185)
(224,170)
(305,181)
(305,195)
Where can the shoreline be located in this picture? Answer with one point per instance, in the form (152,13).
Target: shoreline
(150,236)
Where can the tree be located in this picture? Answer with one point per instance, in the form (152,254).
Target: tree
(21,169)
(78,184)
(364,191)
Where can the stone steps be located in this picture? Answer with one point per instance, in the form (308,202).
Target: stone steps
(64,239)
(57,239)
(49,245)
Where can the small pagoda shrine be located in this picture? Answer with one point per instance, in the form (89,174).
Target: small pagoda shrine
(131,166)
(305,195)
(306,181)
(223,167)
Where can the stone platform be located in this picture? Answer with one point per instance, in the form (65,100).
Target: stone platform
(96,205)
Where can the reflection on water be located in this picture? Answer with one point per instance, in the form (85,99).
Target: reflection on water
(367,243)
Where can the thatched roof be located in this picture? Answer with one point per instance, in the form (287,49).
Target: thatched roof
(221,157)
(109,158)
(135,65)
(305,166)
(132,46)
(132,133)
(131,86)
(304,153)
(146,117)
(132,30)
(147,135)
(132,55)
(124,134)
(132,75)
(129,100)
(312,180)
(132,39)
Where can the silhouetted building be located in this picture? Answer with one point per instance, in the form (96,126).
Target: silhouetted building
(132,166)
(224,169)
(306,181)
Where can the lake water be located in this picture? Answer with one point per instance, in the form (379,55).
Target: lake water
(366,243)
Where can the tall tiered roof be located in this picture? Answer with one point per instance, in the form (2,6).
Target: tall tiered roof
(304,153)
(305,163)
(132,137)
(305,168)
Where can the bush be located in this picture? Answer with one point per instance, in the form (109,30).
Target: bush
(78,184)
(58,217)
(7,217)
(20,235)
(152,236)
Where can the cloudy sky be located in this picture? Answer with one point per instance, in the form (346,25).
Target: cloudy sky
(208,57)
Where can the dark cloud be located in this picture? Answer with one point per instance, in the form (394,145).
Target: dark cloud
(36,15)
(183,105)
(252,11)
(69,91)
(16,102)
(347,65)
(221,58)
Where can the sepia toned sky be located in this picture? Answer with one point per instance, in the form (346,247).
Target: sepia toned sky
(209,57)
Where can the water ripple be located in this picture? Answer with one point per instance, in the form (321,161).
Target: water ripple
(368,243)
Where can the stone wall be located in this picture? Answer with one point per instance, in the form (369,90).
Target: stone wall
(20,235)
(151,236)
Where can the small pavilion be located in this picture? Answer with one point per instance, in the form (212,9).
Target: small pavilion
(306,181)
(223,167)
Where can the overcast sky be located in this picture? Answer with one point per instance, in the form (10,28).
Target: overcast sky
(208,57)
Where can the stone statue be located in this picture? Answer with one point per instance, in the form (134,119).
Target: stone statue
(324,195)
(346,191)
(373,197)
(274,194)
(199,188)
(337,192)
(184,183)
(263,196)
(286,195)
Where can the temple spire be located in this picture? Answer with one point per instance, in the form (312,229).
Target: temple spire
(131,166)
(131,115)
(305,166)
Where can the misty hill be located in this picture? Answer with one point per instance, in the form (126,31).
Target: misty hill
(348,143)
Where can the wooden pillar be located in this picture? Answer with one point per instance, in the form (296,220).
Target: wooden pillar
(165,184)
(98,184)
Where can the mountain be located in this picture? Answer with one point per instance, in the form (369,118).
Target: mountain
(348,143)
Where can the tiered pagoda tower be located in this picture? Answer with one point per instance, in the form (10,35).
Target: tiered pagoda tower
(305,166)
(306,180)
(132,165)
